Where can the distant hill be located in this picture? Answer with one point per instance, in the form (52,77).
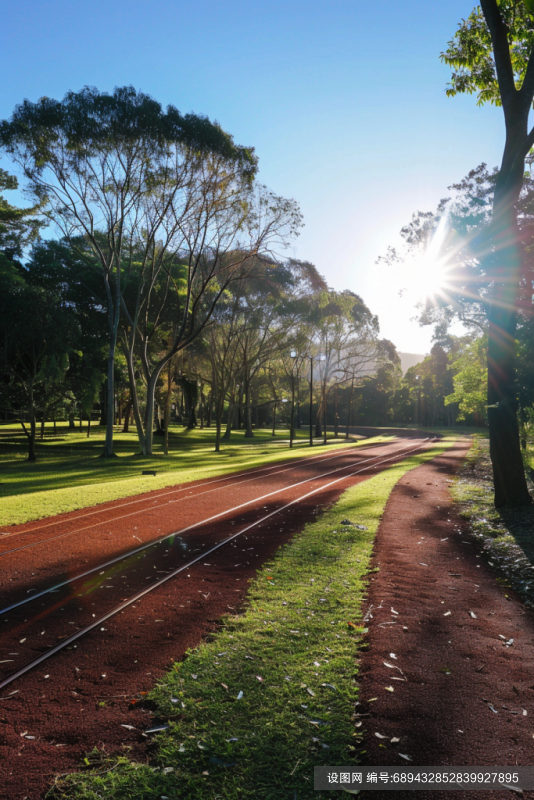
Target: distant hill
(410,360)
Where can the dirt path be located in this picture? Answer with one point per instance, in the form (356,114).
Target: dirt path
(438,615)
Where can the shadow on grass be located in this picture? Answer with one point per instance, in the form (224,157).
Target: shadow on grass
(70,459)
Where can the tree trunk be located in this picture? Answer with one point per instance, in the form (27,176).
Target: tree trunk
(218,424)
(249,434)
(505,448)
(134,399)
(88,424)
(210,408)
(318,426)
(110,400)
(31,443)
(348,412)
(508,470)
(43,425)
(228,431)
(127,412)
(104,403)
(167,418)
(149,413)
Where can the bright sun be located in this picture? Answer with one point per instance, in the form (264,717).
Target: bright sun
(425,277)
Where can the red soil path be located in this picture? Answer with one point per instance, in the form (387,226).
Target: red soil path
(437,607)
(83,696)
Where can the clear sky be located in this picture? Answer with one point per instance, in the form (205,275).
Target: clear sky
(344,102)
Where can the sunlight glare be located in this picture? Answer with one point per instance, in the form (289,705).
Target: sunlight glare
(425,278)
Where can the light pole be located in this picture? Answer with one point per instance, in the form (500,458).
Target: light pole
(293,355)
(312,359)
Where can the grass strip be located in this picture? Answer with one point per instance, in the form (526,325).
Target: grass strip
(62,484)
(504,536)
(271,696)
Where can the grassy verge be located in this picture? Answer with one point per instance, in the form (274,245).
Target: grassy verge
(70,475)
(252,712)
(505,536)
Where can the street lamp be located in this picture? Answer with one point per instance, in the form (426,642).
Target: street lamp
(293,355)
(312,359)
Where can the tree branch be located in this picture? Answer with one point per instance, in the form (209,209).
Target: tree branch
(501,51)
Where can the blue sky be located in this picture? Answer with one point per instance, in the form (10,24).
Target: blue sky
(344,102)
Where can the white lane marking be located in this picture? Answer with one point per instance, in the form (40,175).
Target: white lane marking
(185,488)
(139,595)
(140,549)
(153,508)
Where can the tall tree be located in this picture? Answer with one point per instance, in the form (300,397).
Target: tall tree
(492,54)
(109,167)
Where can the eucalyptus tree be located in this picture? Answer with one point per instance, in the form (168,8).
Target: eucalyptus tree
(492,55)
(225,356)
(109,167)
(221,228)
(346,336)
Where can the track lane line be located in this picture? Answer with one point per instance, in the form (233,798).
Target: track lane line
(92,625)
(209,482)
(194,525)
(153,508)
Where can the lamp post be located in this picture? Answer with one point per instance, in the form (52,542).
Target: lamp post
(312,359)
(417,377)
(293,355)
(324,404)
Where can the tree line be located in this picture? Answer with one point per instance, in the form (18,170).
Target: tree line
(166,273)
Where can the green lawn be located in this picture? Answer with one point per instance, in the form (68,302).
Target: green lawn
(273,694)
(69,473)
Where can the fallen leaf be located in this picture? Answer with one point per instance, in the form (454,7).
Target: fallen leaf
(447,614)
(389,688)
(240,695)
(472,614)
(407,758)
(380,736)
(395,740)
(310,692)
(128,727)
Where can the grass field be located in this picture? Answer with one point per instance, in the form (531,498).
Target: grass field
(69,474)
(273,695)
